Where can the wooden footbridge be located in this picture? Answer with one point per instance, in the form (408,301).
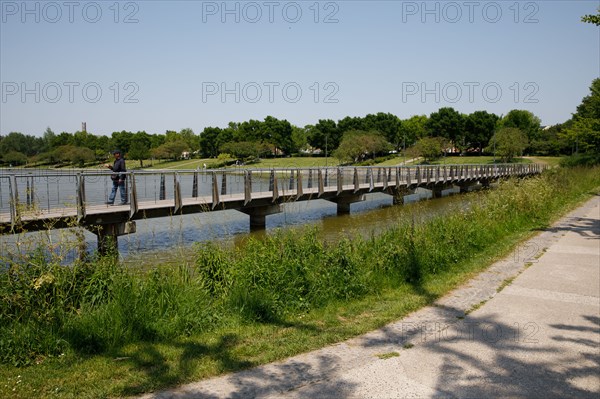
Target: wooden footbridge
(40,199)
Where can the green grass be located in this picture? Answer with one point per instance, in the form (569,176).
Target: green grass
(389,355)
(182,164)
(102,331)
(295,162)
(483,160)
(399,160)
(267,163)
(551,161)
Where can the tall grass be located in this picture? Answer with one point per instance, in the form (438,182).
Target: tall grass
(94,308)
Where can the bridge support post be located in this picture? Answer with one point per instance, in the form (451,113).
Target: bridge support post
(442,190)
(258,215)
(343,202)
(108,242)
(399,194)
(467,186)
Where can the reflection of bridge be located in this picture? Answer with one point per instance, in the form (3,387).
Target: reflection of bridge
(39,200)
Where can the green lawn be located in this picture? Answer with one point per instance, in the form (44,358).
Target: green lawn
(267,163)
(308,162)
(183,164)
(484,159)
(551,161)
(399,160)
(295,162)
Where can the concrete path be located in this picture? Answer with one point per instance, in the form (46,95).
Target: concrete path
(538,337)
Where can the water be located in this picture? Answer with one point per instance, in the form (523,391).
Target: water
(174,242)
(171,239)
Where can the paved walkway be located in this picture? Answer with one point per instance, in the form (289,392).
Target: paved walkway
(539,337)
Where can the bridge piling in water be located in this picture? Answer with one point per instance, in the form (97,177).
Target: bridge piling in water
(258,215)
(108,236)
(344,202)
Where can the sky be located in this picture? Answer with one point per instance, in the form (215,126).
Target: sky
(169,65)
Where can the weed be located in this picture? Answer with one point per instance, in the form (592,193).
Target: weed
(389,355)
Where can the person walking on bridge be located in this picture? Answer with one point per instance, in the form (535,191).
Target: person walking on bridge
(118,178)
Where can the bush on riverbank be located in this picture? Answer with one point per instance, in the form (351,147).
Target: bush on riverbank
(581,160)
(47,309)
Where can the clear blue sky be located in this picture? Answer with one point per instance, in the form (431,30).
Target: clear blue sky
(164,65)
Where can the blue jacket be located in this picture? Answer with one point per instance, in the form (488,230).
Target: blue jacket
(119,166)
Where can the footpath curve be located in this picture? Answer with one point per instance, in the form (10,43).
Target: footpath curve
(535,336)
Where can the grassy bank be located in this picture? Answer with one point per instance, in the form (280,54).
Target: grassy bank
(97,330)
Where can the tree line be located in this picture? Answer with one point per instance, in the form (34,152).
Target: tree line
(351,139)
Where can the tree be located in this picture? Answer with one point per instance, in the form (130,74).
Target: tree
(14,158)
(350,123)
(590,104)
(591,18)
(324,135)
(170,150)
(523,120)
(387,124)
(18,142)
(357,145)
(430,148)
(72,154)
(244,150)
(299,138)
(190,138)
(508,142)
(172,135)
(63,138)
(479,128)
(279,133)
(140,147)
(48,138)
(156,140)
(122,141)
(447,123)
(83,139)
(551,141)
(251,130)
(209,145)
(80,156)
(585,134)
(582,131)
(413,129)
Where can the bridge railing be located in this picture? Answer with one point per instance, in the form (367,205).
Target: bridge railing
(31,193)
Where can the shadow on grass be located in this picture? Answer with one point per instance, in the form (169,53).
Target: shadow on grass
(161,372)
